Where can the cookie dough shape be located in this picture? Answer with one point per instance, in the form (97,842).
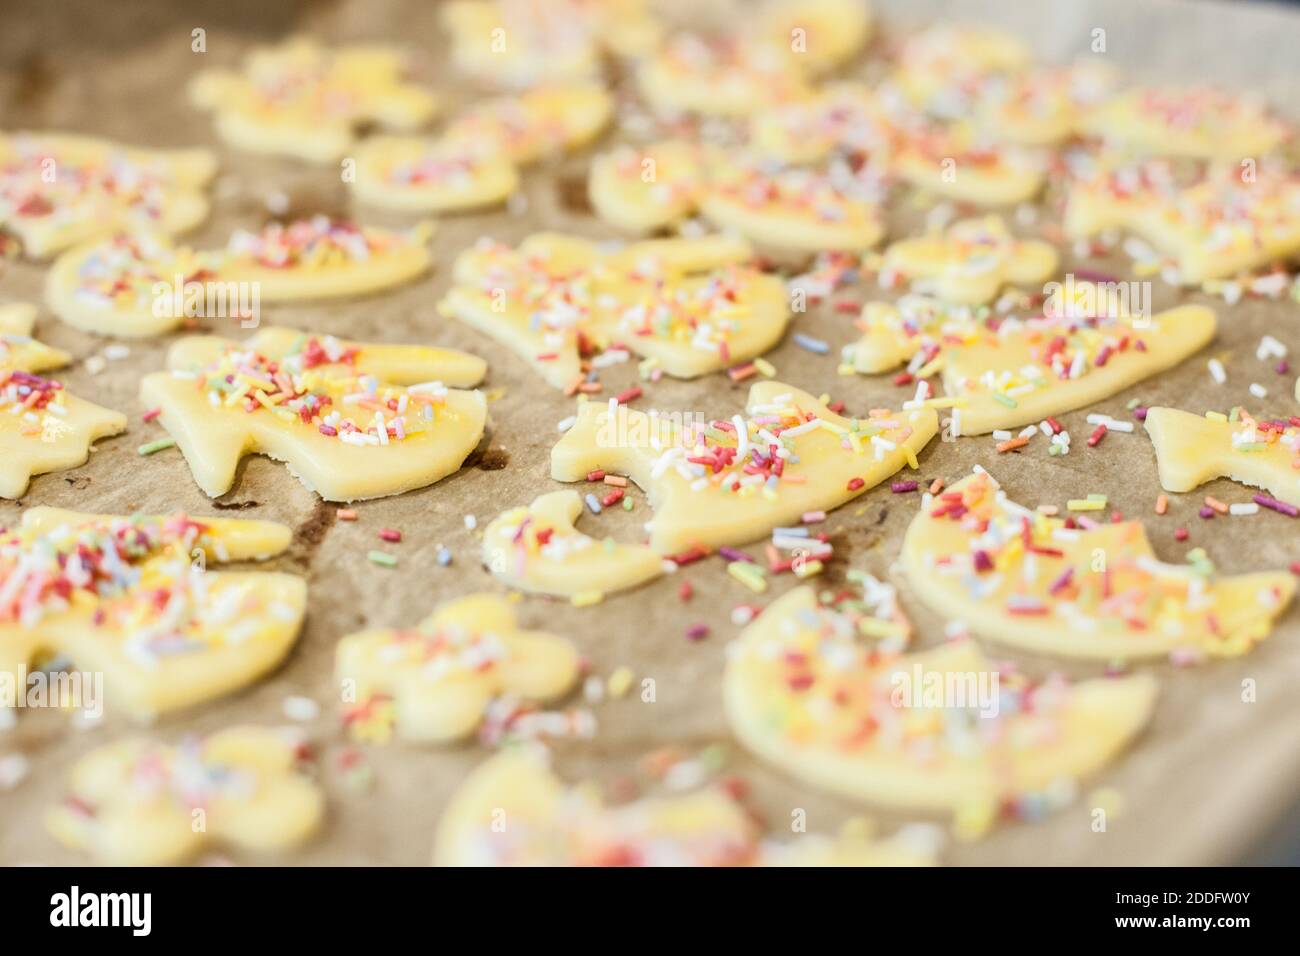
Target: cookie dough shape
(442,675)
(1023,579)
(429,176)
(1195,122)
(1193,449)
(842,117)
(641,189)
(817,35)
(141,285)
(1044,107)
(550,824)
(958,163)
(972,260)
(59,190)
(129,597)
(711,486)
(805,693)
(729,76)
(304,101)
(351,420)
(136,802)
(534,125)
(694,306)
(943,69)
(538,549)
(42,427)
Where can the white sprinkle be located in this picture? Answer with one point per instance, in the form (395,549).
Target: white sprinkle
(1244,508)
(1259,391)
(470,522)
(302,709)
(1001,434)
(1217,371)
(13,770)
(567,423)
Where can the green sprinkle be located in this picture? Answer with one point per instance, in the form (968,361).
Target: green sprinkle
(1132,404)
(1096,497)
(150,447)
(1006,400)
(627,504)
(383,558)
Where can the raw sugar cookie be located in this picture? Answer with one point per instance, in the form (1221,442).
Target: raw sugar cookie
(43,428)
(437,679)
(141,285)
(351,420)
(305,101)
(958,163)
(538,549)
(537,124)
(817,35)
(943,69)
(692,306)
(732,481)
(729,76)
(641,189)
(1095,591)
(843,117)
(138,802)
(1196,121)
(937,730)
(513,811)
(58,189)
(972,260)
(130,597)
(1260,452)
(1006,372)
(430,176)
(1045,106)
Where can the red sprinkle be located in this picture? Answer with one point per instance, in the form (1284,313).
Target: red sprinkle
(390,534)
(1095,438)
(151,414)
(596,475)
(613,498)
(628,395)
(855,484)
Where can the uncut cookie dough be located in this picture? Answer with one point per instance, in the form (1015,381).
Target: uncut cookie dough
(1023,579)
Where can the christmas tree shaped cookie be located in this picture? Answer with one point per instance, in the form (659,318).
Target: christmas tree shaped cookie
(514,811)
(439,677)
(59,190)
(538,549)
(731,481)
(304,101)
(139,802)
(351,420)
(1193,449)
(972,261)
(140,285)
(1197,122)
(430,176)
(131,598)
(691,305)
(937,730)
(1025,579)
(42,427)
(540,122)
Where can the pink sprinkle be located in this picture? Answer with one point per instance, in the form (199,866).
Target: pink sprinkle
(902,487)
(813,517)
(1279,506)
(151,414)
(982,561)
(390,534)
(697,632)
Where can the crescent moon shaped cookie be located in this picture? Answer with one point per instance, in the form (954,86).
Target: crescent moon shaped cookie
(139,802)
(538,549)
(729,76)
(131,598)
(538,123)
(972,261)
(693,306)
(1085,348)
(42,427)
(513,811)
(430,176)
(1027,580)
(304,101)
(937,730)
(142,285)
(58,190)
(1197,122)
(712,485)
(440,676)
(351,420)
(1193,449)
(954,162)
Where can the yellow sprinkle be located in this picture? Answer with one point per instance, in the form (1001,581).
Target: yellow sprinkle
(748,575)
(807,569)
(620,682)
(1216,416)
(1083,504)
(877,627)
(765,368)
(586,598)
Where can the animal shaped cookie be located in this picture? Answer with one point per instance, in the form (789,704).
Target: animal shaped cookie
(139,802)
(938,730)
(131,598)
(732,481)
(58,190)
(1027,580)
(441,675)
(351,420)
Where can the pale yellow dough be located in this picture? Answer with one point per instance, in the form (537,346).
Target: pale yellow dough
(564,561)
(305,101)
(693,306)
(1117,601)
(817,35)
(1195,122)
(647,188)
(214,437)
(138,802)
(98,187)
(1193,449)
(696,506)
(539,123)
(972,261)
(513,811)
(220,631)
(441,675)
(430,176)
(955,163)
(730,76)
(843,117)
(807,694)
(948,61)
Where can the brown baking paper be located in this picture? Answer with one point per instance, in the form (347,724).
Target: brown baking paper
(1210,776)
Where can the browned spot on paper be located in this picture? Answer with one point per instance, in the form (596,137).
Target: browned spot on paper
(36,79)
(80,483)
(493,459)
(572,193)
(235,505)
(307,537)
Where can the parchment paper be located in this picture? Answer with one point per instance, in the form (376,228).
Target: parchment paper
(1209,779)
